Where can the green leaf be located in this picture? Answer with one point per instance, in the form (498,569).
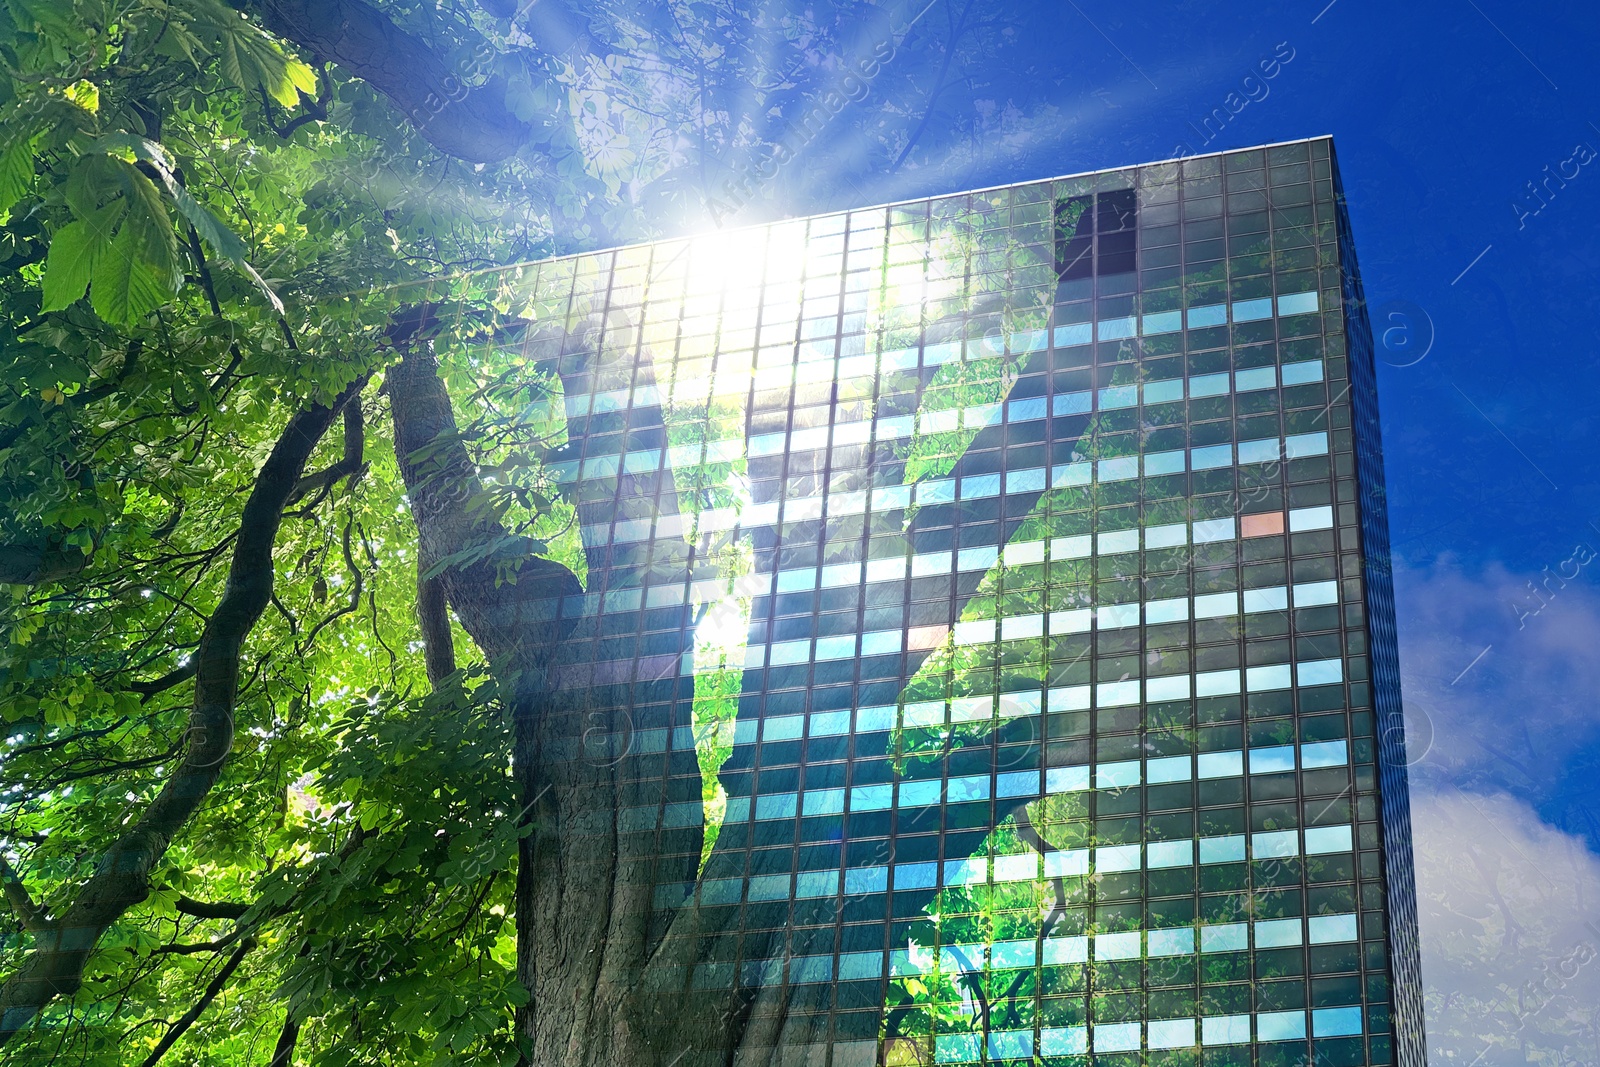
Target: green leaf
(231,67)
(68,266)
(299,78)
(127,287)
(210,228)
(249,57)
(16,172)
(74,252)
(149,228)
(51,15)
(179,36)
(94,179)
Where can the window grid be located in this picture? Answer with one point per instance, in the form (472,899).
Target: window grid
(1211,294)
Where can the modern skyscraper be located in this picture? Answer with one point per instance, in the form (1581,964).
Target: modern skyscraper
(1001,581)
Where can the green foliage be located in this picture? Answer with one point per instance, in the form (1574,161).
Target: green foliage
(16,172)
(345,948)
(955,408)
(182,277)
(73,254)
(145,374)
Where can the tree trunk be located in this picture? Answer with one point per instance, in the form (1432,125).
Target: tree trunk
(603,717)
(628,957)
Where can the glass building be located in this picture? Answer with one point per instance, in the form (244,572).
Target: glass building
(991,595)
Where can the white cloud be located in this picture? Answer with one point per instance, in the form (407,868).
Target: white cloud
(1500,683)
(1510,925)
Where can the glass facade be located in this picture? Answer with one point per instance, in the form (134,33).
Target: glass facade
(992,590)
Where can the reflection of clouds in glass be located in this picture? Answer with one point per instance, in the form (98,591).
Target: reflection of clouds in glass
(1509,935)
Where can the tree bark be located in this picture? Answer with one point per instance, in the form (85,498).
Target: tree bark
(283,1051)
(55,964)
(627,955)
(467,121)
(433,616)
(587,916)
(26,564)
(201,909)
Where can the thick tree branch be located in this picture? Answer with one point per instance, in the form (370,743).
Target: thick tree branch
(469,123)
(438,646)
(24,564)
(195,949)
(350,465)
(30,914)
(200,909)
(54,967)
(283,1052)
(441,484)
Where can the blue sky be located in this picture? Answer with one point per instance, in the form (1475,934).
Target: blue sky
(1441,113)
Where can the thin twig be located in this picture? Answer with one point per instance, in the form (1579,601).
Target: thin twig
(178,1028)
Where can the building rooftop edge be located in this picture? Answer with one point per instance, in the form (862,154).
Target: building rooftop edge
(915,199)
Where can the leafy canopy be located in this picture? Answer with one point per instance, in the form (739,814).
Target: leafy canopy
(195,215)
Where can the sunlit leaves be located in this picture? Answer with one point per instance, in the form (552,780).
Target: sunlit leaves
(130,443)
(425,774)
(16,172)
(126,286)
(140,416)
(84,94)
(210,228)
(74,251)
(249,58)
(151,235)
(131,273)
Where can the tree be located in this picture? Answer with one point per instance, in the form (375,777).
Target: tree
(244,770)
